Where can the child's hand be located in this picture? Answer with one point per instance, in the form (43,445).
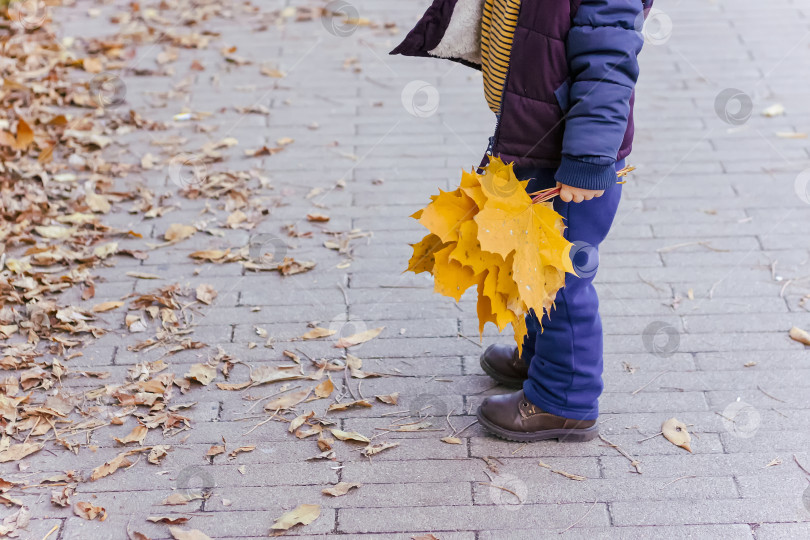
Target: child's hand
(568,193)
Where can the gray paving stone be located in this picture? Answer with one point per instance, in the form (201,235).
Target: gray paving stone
(710,207)
(675,466)
(541,517)
(680,532)
(689,512)
(782,531)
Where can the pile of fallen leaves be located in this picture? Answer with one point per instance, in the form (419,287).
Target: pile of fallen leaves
(489,233)
(62,173)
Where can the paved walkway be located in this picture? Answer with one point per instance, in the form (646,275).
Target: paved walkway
(702,277)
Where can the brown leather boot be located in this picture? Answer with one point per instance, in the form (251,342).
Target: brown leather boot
(515,418)
(502,363)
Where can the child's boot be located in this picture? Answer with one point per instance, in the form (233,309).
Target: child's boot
(504,365)
(515,418)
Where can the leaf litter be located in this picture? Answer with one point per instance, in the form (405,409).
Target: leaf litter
(59,181)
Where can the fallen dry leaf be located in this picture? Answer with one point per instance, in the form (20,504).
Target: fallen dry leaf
(138,434)
(451,440)
(318,332)
(390,399)
(341,488)
(355,364)
(321,218)
(206,293)
(178,232)
(360,337)
(416,426)
(303,514)
(19,451)
(188,534)
(15,521)
(158,452)
(675,432)
(89,512)
(349,436)
(106,306)
(233,386)
(324,389)
(61,497)
(299,421)
(215,450)
(326,454)
(286,401)
(373,449)
(114,464)
(777,109)
(180,498)
(267,374)
(350,404)
(241,449)
(272,72)
(800,335)
(202,373)
(169,520)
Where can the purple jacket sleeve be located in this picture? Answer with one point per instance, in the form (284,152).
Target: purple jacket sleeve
(602,49)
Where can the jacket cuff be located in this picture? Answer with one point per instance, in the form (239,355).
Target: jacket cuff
(580,174)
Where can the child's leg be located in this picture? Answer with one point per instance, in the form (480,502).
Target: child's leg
(565,371)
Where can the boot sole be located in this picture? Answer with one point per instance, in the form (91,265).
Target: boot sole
(509,382)
(562,435)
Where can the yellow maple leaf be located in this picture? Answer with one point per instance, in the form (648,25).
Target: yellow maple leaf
(489,233)
(471,185)
(451,278)
(484,308)
(498,302)
(468,250)
(532,232)
(423,259)
(521,331)
(446,212)
(500,184)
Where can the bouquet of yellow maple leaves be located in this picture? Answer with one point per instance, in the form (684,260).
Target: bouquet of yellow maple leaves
(491,233)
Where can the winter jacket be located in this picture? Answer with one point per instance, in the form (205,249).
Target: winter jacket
(568,97)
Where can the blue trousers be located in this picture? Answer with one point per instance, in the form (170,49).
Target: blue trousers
(565,358)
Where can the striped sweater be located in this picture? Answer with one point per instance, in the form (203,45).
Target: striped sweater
(497,32)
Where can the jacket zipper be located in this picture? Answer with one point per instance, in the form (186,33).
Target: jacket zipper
(497,133)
